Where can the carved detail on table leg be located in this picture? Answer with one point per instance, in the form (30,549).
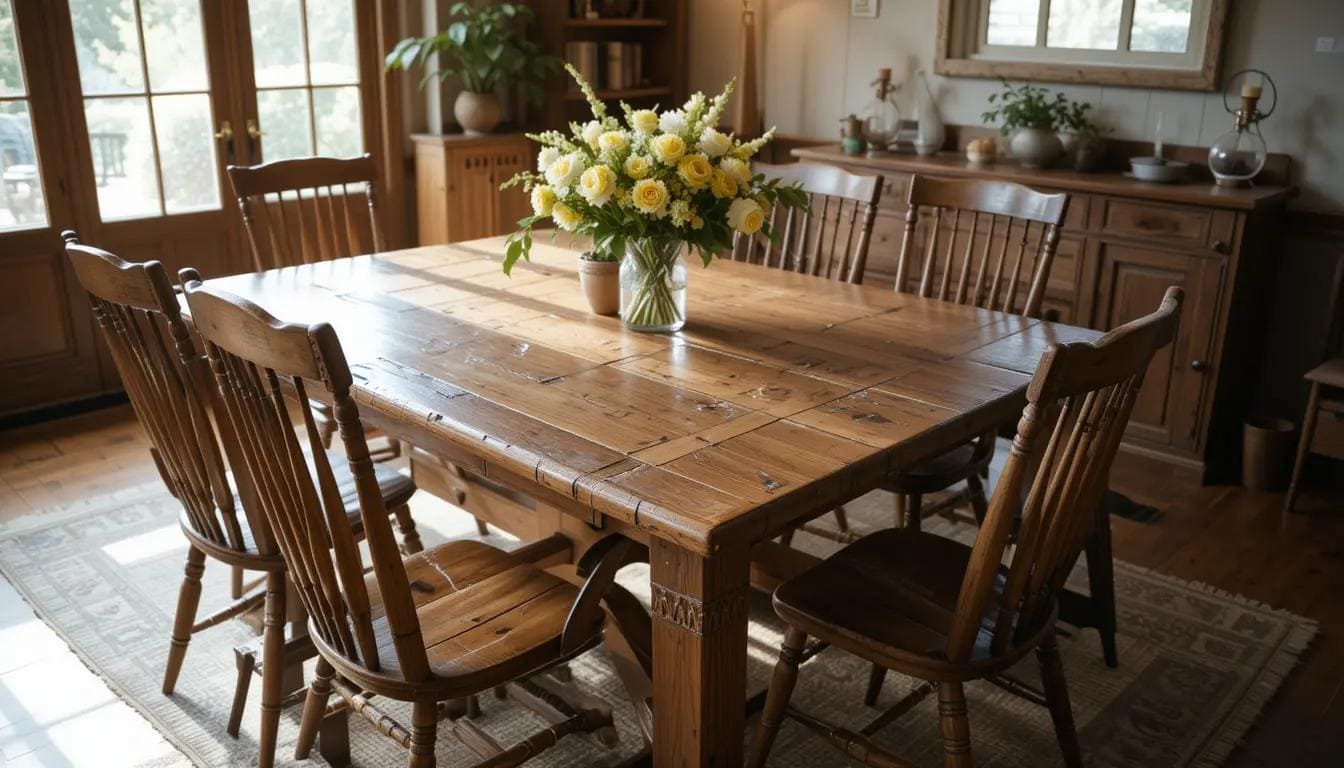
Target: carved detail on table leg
(692,615)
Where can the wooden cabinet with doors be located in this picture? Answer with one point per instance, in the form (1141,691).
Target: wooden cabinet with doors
(457,182)
(1123,243)
(118,120)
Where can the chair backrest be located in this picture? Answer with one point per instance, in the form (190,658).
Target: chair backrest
(256,358)
(1013,234)
(137,311)
(1081,395)
(303,211)
(832,239)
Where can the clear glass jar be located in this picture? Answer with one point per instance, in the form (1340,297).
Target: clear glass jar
(882,118)
(1238,155)
(653,286)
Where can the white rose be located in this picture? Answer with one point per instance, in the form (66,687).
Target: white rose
(565,170)
(546,157)
(673,121)
(745,216)
(714,143)
(613,141)
(644,121)
(597,184)
(592,130)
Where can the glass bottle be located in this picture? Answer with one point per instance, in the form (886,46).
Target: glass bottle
(931,132)
(1238,155)
(882,118)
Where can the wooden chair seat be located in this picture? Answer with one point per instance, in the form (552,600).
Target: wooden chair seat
(894,594)
(938,472)
(1330,373)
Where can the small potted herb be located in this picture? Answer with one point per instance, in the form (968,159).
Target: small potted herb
(485,49)
(600,277)
(1030,117)
(1083,145)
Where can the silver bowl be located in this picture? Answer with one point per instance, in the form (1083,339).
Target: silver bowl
(1157,170)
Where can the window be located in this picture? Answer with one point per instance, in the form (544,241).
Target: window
(21,204)
(146,91)
(1145,43)
(306,70)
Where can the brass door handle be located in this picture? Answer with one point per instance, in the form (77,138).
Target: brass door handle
(225,132)
(253,130)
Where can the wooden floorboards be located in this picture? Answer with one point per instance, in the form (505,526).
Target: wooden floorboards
(1224,536)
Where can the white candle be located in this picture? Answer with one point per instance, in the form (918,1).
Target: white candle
(1250,91)
(1157,143)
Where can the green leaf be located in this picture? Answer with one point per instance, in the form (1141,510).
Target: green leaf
(457,32)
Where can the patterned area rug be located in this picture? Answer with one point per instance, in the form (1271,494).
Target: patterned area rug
(1197,665)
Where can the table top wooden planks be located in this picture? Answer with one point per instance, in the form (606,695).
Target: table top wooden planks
(784,393)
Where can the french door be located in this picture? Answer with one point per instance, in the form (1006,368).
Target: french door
(118,119)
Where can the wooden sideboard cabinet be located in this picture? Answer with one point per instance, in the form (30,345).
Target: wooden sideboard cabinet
(457,182)
(1124,242)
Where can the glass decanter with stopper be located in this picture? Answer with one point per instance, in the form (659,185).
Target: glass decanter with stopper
(882,118)
(1238,155)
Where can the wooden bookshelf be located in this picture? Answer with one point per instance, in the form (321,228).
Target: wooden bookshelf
(662,33)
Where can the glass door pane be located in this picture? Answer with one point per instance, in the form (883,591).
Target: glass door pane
(306,67)
(147,105)
(21,203)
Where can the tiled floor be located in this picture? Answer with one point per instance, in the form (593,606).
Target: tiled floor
(55,713)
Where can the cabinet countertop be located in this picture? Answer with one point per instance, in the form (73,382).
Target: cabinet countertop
(1105,182)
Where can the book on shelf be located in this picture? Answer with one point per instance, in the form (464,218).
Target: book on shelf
(607,66)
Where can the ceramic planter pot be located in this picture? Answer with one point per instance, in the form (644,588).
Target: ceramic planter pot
(1082,152)
(477,113)
(601,281)
(1036,147)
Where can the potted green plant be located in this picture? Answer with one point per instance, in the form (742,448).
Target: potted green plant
(485,49)
(1030,117)
(1081,138)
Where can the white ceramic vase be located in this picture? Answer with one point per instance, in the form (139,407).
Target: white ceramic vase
(931,133)
(1036,147)
(477,113)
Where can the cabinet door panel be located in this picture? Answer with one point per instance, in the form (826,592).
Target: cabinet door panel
(474,193)
(1171,406)
(513,203)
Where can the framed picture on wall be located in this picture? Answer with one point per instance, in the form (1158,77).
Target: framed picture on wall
(863,8)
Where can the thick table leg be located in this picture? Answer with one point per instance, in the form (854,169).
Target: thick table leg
(699,657)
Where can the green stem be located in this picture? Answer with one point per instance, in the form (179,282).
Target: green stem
(652,304)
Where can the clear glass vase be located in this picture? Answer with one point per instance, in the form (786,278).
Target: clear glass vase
(653,286)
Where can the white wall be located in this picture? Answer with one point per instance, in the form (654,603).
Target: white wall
(817,63)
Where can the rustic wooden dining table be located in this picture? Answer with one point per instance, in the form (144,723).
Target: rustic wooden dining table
(783,396)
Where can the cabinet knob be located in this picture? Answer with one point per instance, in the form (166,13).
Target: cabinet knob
(1221,246)
(1199,365)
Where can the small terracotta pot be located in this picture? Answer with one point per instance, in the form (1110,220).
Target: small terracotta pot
(601,281)
(477,113)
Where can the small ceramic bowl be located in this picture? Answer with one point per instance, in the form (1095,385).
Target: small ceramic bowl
(1157,170)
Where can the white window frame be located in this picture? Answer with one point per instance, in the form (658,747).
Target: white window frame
(963,52)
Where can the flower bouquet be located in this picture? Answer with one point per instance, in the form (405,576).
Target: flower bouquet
(649,188)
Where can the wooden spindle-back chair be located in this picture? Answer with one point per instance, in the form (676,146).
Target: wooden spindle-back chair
(1012,237)
(947,613)
(170,388)
(308,210)
(831,240)
(442,626)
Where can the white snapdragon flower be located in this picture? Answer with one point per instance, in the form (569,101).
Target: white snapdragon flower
(673,121)
(714,143)
(592,131)
(546,157)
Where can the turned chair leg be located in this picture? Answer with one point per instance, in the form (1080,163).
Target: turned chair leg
(246,662)
(914,511)
(876,675)
(424,724)
(841,519)
(314,708)
(482,527)
(898,500)
(1057,697)
(1101,583)
(236,582)
(777,698)
(410,537)
(1303,447)
(956,727)
(272,666)
(188,599)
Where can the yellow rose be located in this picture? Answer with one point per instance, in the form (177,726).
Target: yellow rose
(565,170)
(543,200)
(644,120)
(745,216)
(637,166)
(668,148)
(613,141)
(722,185)
(650,196)
(597,184)
(565,217)
(695,170)
(736,168)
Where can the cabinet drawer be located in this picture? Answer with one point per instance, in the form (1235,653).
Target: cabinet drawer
(1169,223)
